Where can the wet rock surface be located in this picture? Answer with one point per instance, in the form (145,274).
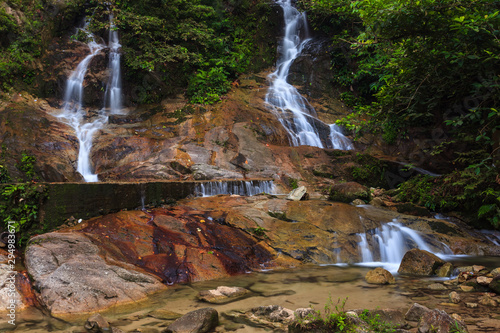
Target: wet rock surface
(379,276)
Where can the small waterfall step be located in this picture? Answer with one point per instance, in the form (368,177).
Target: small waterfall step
(238,187)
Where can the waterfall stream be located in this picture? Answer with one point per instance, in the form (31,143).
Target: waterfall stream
(294,112)
(386,246)
(73,110)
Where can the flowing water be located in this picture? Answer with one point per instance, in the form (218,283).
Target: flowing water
(85,124)
(294,112)
(386,246)
(239,187)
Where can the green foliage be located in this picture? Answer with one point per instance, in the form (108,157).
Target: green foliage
(4,175)
(474,191)
(21,203)
(259,231)
(206,87)
(369,170)
(27,165)
(293,183)
(335,320)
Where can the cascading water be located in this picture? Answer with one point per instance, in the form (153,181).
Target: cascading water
(294,112)
(390,242)
(246,188)
(113,95)
(73,110)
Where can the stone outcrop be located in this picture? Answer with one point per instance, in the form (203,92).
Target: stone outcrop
(71,277)
(420,262)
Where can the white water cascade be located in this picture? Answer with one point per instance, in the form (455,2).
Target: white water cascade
(73,110)
(113,95)
(386,246)
(239,187)
(294,112)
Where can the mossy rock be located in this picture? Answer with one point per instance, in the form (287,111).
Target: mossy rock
(348,192)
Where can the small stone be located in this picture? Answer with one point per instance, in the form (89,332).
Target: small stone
(488,301)
(445,270)
(477,268)
(454,297)
(456,316)
(467,289)
(437,286)
(483,280)
(471,305)
(302,313)
(96,323)
(358,202)
(379,276)
(416,312)
(495,272)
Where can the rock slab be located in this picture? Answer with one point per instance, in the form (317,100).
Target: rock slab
(222,294)
(71,277)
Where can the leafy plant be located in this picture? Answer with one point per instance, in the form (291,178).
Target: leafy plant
(20,203)
(4,174)
(27,165)
(259,231)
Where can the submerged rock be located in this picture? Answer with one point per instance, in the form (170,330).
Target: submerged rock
(420,262)
(416,311)
(222,294)
(197,321)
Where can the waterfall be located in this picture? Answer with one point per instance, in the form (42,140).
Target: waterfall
(293,111)
(113,95)
(73,110)
(246,188)
(390,242)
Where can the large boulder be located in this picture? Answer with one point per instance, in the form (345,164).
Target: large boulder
(197,321)
(379,276)
(440,322)
(420,262)
(71,277)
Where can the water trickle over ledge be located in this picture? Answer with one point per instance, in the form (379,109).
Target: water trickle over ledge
(87,200)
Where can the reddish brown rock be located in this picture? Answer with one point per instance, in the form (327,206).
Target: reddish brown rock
(439,321)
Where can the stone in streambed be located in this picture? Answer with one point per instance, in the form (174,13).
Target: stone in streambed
(415,312)
(97,323)
(379,276)
(420,262)
(454,297)
(439,321)
(495,284)
(445,270)
(197,321)
(222,294)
